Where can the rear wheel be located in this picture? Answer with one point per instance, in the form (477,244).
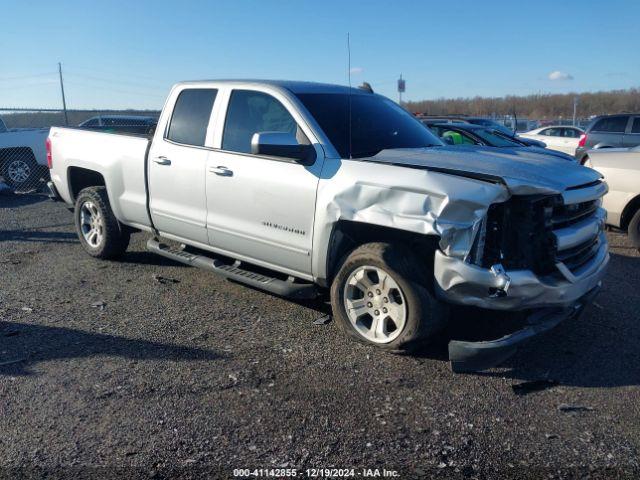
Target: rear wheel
(379,297)
(634,230)
(100,233)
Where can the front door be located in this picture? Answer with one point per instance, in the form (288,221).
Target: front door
(177,168)
(261,208)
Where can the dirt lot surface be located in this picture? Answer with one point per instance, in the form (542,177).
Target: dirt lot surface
(146,368)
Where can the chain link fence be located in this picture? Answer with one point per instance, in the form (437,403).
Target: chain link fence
(20,172)
(23,132)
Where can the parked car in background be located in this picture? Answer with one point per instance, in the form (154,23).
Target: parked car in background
(23,158)
(469,134)
(621,170)
(609,131)
(485,122)
(121,123)
(561,138)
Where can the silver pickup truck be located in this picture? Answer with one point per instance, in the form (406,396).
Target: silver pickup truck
(303,189)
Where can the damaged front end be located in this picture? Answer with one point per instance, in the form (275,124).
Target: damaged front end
(513,235)
(542,253)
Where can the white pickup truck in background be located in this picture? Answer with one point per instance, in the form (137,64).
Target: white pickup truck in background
(23,157)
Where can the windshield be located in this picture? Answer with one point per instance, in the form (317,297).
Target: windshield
(485,122)
(495,138)
(377,123)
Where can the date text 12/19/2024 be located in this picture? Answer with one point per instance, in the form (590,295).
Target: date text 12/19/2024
(315,473)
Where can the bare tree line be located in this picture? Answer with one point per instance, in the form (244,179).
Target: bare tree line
(540,106)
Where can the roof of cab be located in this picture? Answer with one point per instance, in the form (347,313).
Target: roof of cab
(291,85)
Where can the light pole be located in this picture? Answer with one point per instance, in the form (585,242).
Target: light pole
(64,102)
(402,84)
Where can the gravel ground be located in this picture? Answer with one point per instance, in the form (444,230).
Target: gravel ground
(147,368)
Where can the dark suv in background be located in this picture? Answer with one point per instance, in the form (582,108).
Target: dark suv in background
(610,131)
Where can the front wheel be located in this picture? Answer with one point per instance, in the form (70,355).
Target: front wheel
(100,233)
(379,297)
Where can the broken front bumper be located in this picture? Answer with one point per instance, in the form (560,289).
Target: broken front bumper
(475,356)
(551,299)
(466,284)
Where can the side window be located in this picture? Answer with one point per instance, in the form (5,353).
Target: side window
(190,116)
(93,122)
(544,132)
(453,137)
(635,128)
(611,124)
(251,112)
(571,133)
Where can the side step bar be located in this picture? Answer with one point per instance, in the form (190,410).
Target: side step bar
(285,288)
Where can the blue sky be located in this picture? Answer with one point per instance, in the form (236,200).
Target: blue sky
(128,53)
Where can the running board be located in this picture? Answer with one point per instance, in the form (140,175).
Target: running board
(285,288)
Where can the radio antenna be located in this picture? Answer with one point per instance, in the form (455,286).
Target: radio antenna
(349,75)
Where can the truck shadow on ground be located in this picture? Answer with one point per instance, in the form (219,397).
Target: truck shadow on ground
(12,200)
(601,348)
(24,345)
(144,257)
(37,236)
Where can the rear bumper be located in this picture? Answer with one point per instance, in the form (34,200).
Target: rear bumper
(580,152)
(52,192)
(475,356)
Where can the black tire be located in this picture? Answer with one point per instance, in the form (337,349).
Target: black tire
(114,238)
(584,159)
(425,314)
(20,170)
(634,230)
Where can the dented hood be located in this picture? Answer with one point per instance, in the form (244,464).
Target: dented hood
(521,171)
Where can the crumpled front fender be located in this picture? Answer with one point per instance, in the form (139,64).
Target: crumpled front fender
(414,200)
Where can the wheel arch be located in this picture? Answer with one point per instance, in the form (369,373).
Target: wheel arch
(6,152)
(629,211)
(347,235)
(79,178)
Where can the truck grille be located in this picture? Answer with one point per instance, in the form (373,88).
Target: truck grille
(541,232)
(578,223)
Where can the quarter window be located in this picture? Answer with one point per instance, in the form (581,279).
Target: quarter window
(252,112)
(611,124)
(552,132)
(636,125)
(190,117)
(571,133)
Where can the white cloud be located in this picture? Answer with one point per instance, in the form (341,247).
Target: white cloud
(356,70)
(558,75)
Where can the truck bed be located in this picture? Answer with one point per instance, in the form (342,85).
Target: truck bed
(114,155)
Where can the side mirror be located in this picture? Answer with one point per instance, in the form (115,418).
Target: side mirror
(282,144)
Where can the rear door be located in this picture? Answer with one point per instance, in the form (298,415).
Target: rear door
(552,136)
(261,208)
(177,167)
(608,132)
(570,138)
(632,138)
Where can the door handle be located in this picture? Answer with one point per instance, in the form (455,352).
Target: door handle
(222,171)
(162,160)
